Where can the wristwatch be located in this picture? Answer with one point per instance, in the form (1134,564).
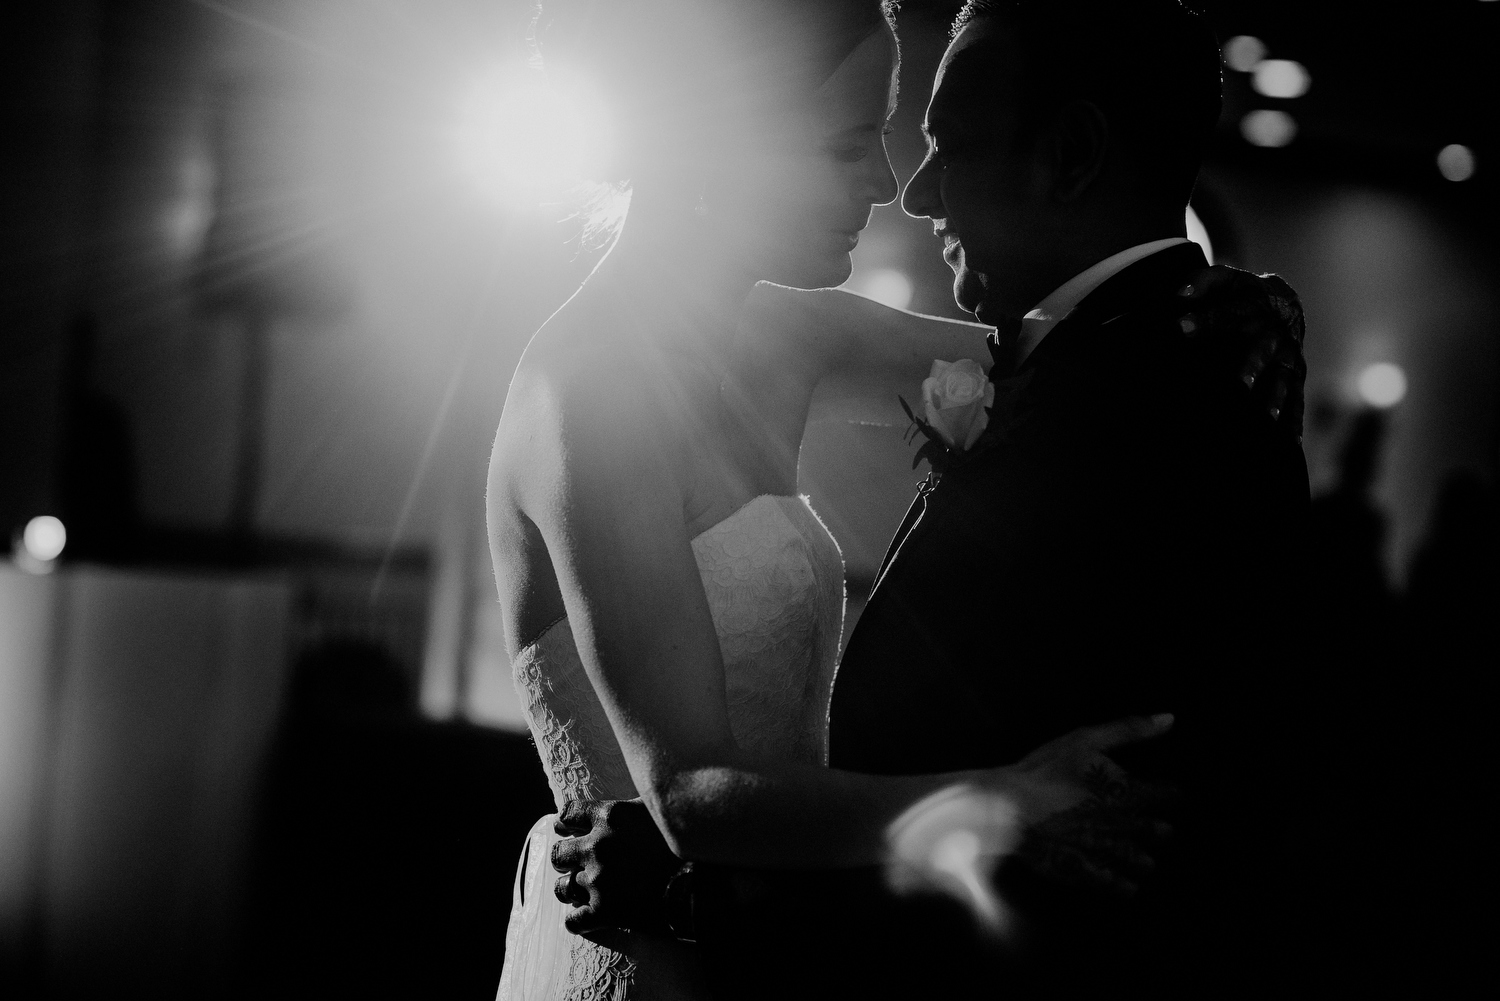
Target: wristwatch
(680,904)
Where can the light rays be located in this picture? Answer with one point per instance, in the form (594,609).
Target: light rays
(439,422)
(267,28)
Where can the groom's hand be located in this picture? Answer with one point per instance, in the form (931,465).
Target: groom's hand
(615,866)
(1260,316)
(1099,828)
(1106,842)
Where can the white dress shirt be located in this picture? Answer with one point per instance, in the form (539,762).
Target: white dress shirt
(1038,323)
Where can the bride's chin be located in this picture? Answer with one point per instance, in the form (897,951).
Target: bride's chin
(828,273)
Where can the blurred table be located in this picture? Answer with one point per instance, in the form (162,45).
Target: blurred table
(135,710)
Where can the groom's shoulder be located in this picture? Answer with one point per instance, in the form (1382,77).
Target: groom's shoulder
(1145,349)
(1130,389)
(1133,318)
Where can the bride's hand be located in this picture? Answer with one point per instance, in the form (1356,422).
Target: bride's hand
(1260,318)
(614,866)
(1085,821)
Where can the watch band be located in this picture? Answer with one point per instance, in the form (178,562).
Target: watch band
(680,903)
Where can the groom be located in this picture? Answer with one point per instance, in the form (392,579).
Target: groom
(1117,542)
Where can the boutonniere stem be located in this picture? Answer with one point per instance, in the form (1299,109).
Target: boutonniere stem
(935,450)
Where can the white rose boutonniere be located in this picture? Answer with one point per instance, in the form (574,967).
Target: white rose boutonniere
(956,397)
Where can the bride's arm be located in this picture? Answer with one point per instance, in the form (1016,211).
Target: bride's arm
(863,355)
(603,496)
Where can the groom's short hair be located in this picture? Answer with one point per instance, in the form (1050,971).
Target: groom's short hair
(1151,66)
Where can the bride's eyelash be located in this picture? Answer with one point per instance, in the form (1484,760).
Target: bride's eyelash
(854,154)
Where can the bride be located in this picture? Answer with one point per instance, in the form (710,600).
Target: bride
(672,605)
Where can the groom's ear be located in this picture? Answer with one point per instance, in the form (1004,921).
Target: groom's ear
(1075,148)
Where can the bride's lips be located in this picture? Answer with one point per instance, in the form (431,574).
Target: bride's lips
(849,236)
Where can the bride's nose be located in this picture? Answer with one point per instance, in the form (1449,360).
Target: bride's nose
(881,187)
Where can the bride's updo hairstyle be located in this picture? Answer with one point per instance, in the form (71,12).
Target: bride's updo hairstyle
(684,80)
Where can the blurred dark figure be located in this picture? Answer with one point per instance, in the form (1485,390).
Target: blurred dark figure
(1351,607)
(1450,605)
(1352,721)
(97,474)
(347,682)
(1348,535)
(1406,730)
(1451,592)
(386,848)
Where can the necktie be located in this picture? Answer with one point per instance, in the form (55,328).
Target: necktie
(1003,345)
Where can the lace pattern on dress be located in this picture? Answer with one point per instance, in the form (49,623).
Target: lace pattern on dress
(777,598)
(599,974)
(572,734)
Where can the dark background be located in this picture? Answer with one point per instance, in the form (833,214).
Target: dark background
(257,732)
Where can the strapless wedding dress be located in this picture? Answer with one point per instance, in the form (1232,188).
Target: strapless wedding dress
(775,583)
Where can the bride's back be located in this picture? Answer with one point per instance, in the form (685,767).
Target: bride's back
(593,379)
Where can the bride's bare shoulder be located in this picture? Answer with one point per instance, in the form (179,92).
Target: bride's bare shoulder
(581,394)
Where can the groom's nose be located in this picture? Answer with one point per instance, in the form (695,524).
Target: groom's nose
(923,196)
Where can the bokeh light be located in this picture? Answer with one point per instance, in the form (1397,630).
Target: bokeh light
(186,219)
(886,286)
(1456,162)
(44,538)
(1281,78)
(1267,127)
(1382,384)
(1242,52)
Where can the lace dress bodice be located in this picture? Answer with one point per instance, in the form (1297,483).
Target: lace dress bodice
(774,578)
(775,584)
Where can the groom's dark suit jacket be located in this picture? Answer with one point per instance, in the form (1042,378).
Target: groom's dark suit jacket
(1122,540)
(1116,543)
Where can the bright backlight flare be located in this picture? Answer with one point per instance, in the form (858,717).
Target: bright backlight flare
(524,142)
(1382,384)
(44,538)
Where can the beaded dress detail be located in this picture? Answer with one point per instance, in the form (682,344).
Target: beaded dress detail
(774,578)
